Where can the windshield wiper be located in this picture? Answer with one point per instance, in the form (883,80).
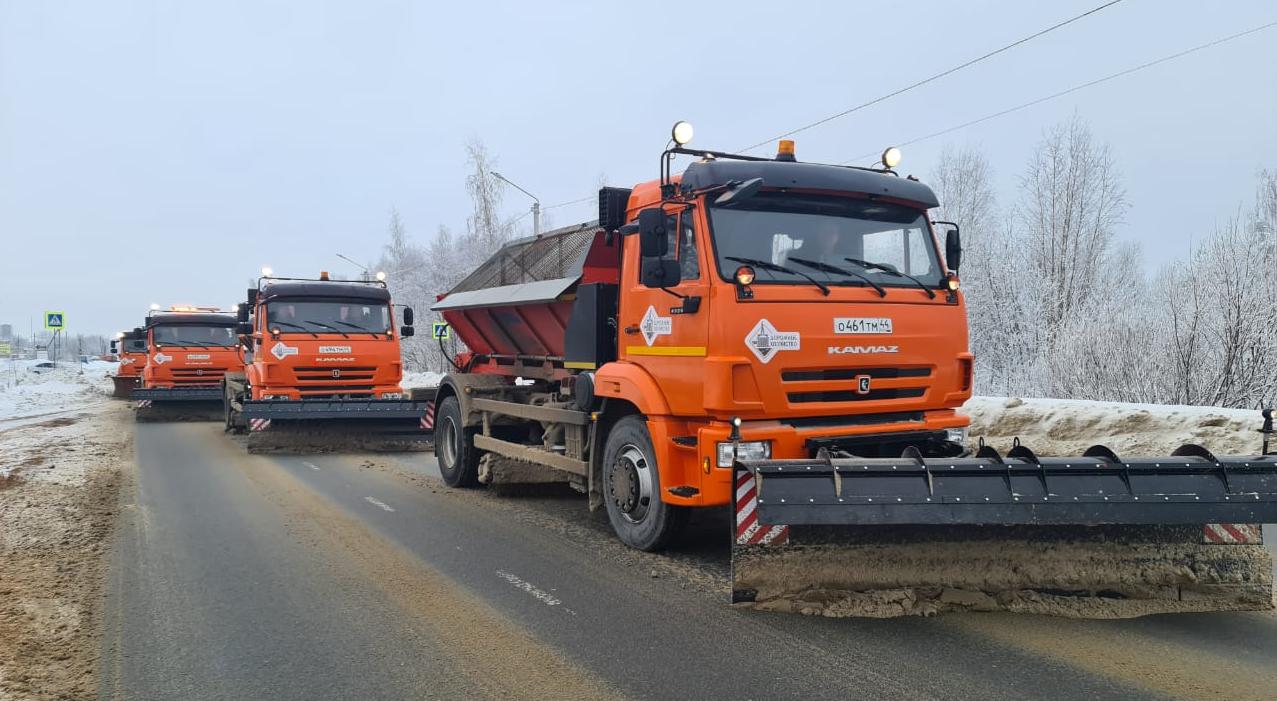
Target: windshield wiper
(767,265)
(827,268)
(327,326)
(299,327)
(357,326)
(181,344)
(891,270)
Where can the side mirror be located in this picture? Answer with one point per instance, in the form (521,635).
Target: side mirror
(407,316)
(244,328)
(114,347)
(241,312)
(952,246)
(407,331)
(252,296)
(653,234)
(659,272)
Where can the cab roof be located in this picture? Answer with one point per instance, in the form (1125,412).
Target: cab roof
(329,289)
(808,176)
(189,319)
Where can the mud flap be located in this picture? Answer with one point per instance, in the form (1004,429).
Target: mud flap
(918,539)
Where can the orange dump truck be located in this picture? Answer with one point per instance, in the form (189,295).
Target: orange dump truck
(129,347)
(189,349)
(324,369)
(788,341)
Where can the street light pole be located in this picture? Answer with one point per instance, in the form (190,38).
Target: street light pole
(536,203)
(367,277)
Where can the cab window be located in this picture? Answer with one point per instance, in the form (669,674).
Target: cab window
(682,244)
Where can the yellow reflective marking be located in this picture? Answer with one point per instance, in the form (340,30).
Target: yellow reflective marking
(687,351)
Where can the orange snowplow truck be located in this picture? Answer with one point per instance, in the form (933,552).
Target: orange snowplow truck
(789,340)
(129,347)
(189,349)
(322,355)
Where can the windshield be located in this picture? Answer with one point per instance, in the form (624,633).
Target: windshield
(328,317)
(837,240)
(191,335)
(134,346)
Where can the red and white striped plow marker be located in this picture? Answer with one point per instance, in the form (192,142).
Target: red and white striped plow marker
(1233,533)
(143,403)
(428,421)
(258,424)
(749,531)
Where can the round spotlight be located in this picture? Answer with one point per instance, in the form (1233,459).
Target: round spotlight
(155,307)
(682,133)
(953,283)
(266,271)
(891,157)
(381,276)
(744,275)
(120,335)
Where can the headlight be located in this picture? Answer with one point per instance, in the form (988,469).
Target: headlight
(748,450)
(392,395)
(956,435)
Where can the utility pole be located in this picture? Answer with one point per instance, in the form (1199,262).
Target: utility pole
(536,202)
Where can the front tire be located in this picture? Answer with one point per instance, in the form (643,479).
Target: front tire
(454,446)
(233,422)
(632,489)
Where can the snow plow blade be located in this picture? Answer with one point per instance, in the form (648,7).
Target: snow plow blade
(1089,536)
(123,386)
(177,404)
(337,425)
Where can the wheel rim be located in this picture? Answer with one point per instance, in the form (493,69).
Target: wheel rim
(631,484)
(449,442)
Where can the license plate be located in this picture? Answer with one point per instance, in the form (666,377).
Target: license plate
(862,325)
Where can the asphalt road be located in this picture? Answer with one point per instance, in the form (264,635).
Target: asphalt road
(363,577)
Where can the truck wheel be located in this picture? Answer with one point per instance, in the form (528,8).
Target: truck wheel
(454,448)
(632,489)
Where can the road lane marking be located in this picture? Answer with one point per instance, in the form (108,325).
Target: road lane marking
(531,589)
(379,503)
(311,465)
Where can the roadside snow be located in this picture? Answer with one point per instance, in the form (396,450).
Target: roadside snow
(421,379)
(36,387)
(1058,427)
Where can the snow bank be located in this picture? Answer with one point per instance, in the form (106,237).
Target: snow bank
(34,387)
(421,379)
(1069,426)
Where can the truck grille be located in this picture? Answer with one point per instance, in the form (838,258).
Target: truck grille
(183,377)
(309,375)
(840,385)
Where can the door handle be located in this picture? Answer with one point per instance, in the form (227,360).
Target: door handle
(632,329)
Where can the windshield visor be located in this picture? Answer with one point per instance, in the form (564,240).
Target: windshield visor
(190,335)
(328,317)
(816,234)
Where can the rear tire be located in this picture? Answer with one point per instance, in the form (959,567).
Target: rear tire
(632,489)
(454,446)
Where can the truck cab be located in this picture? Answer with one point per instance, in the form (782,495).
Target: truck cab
(321,339)
(189,347)
(130,348)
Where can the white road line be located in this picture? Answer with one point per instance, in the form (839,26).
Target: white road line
(543,596)
(311,465)
(379,503)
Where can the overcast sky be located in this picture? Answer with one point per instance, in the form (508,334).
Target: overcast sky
(165,151)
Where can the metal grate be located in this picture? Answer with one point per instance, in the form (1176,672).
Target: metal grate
(553,255)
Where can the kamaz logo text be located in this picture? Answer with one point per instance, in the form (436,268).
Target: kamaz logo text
(862,350)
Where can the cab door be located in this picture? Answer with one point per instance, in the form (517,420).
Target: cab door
(666,331)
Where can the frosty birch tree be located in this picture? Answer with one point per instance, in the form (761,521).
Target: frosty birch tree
(1071,201)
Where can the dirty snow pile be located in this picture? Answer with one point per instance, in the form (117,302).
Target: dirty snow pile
(1060,427)
(421,379)
(35,387)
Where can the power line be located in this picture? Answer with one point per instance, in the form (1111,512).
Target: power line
(576,201)
(1076,88)
(935,77)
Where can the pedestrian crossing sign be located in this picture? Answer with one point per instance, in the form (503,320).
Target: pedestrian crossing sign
(54,321)
(440,330)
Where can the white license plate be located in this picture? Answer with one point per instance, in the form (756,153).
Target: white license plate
(862,325)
